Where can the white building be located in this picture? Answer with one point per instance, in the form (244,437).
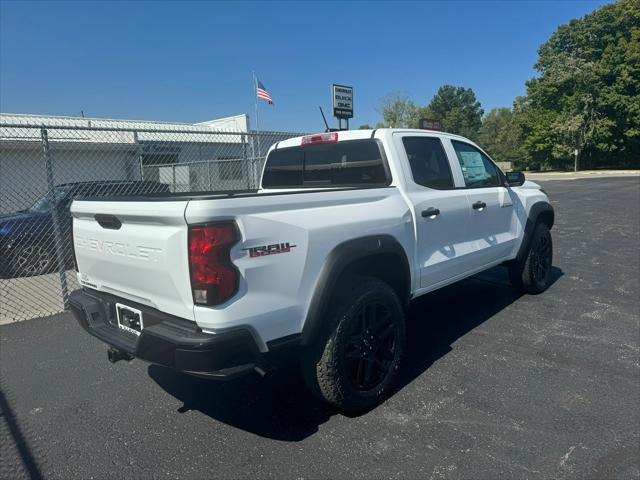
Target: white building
(212,155)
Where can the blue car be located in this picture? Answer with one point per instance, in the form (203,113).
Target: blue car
(27,239)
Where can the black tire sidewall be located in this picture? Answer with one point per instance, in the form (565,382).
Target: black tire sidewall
(355,295)
(534,284)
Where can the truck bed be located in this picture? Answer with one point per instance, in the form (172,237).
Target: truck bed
(146,258)
(209,195)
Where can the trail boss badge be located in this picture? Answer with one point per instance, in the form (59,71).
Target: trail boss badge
(273,249)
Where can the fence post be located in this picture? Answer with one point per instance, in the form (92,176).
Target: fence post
(245,162)
(139,151)
(173,176)
(54,217)
(255,160)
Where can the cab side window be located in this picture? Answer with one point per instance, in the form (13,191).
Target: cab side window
(478,170)
(429,163)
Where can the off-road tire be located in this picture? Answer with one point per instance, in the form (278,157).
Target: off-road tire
(331,366)
(532,273)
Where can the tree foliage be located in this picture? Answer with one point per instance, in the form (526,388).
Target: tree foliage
(398,111)
(499,135)
(458,109)
(587,96)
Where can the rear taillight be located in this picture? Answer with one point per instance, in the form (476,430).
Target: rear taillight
(214,279)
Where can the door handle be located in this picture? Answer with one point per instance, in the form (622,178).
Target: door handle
(430,212)
(479,205)
(108,221)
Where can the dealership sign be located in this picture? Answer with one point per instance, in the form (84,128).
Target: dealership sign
(342,101)
(430,124)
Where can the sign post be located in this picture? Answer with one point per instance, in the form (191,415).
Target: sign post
(342,103)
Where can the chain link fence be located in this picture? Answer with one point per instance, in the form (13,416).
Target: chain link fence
(44,167)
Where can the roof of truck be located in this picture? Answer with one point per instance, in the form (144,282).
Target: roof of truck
(344,135)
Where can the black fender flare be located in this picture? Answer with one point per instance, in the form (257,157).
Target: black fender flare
(337,262)
(537,209)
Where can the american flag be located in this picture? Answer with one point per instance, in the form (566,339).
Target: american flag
(262,93)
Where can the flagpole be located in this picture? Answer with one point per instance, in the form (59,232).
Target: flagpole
(255,96)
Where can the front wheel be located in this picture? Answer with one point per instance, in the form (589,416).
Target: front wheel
(355,362)
(531,275)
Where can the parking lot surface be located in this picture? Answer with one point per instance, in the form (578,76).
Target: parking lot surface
(495,384)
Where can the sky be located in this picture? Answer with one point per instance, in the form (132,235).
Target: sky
(192,61)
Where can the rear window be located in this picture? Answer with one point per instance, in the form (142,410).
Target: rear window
(350,163)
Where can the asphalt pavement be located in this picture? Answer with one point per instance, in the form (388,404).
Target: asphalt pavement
(496,385)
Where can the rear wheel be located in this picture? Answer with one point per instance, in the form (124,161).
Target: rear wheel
(532,273)
(31,260)
(355,362)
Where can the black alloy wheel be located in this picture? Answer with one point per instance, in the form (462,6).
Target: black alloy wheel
(354,361)
(541,259)
(370,348)
(32,260)
(532,273)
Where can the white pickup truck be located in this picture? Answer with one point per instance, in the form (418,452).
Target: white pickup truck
(317,266)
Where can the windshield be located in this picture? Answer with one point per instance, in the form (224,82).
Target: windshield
(43,204)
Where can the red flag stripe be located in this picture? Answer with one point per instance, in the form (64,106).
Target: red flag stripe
(263,94)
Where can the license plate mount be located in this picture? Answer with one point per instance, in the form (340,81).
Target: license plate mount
(129,319)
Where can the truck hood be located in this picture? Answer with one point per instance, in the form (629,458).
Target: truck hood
(528,184)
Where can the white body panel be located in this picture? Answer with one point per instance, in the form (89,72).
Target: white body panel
(275,290)
(146,260)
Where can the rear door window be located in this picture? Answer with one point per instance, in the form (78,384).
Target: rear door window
(349,163)
(429,163)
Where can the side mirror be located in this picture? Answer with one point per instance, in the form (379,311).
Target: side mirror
(515,179)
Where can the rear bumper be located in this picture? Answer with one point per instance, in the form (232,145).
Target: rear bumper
(167,340)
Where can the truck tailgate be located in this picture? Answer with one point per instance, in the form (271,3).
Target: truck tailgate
(135,250)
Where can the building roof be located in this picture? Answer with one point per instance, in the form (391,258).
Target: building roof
(23,127)
(236,123)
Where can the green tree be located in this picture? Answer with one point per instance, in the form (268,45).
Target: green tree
(534,131)
(398,111)
(587,95)
(457,108)
(499,136)
(365,126)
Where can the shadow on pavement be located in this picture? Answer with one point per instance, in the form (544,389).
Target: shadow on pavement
(18,442)
(281,408)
